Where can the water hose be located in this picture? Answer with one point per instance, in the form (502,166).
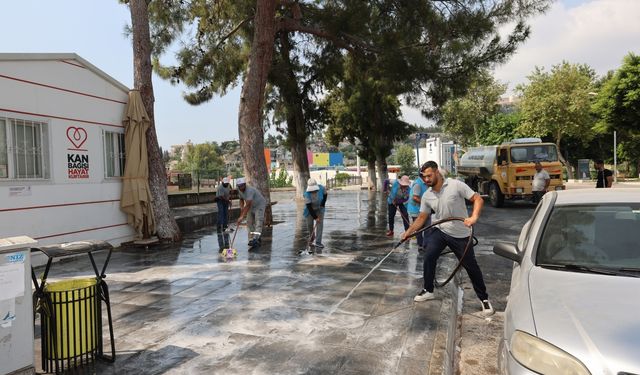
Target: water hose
(470,243)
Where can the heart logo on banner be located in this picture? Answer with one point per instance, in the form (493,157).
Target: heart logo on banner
(77,136)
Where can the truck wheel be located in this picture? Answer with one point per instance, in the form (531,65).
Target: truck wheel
(495,195)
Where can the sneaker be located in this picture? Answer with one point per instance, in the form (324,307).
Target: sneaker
(487,309)
(389,233)
(424,296)
(319,246)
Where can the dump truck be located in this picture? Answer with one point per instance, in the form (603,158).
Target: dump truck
(505,172)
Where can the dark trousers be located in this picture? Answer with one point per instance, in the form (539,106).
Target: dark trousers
(223,214)
(537,196)
(403,213)
(419,236)
(436,241)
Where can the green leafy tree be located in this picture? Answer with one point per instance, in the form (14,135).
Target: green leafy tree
(280,179)
(618,108)
(428,48)
(202,160)
(406,157)
(557,104)
(466,118)
(501,127)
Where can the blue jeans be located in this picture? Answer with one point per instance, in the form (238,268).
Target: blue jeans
(403,213)
(435,241)
(223,214)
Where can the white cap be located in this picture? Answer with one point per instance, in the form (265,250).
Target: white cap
(312,185)
(404,181)
(225,180)
(240,181)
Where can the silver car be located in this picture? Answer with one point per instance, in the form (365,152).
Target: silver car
(574,303)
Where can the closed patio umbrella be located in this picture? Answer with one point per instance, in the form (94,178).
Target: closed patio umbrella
(136,198)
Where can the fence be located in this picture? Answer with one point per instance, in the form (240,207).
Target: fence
(333,183)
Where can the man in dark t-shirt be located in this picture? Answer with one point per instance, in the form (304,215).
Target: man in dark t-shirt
(604,177)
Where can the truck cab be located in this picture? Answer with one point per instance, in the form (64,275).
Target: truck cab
(506,171)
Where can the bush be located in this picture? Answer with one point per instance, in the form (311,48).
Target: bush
(342,178)
(282,179)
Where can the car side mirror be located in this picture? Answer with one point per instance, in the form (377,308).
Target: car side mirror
(508,250)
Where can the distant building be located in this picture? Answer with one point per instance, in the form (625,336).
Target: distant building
(233,160)
(509,104)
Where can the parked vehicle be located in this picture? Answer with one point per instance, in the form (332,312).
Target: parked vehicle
(506,171)
(573,306)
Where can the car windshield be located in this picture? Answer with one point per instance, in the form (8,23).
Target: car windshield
(595,235)
(531,153)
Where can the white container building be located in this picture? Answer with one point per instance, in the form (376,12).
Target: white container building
(61,150)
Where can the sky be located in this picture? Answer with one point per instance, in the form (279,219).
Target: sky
(594,32)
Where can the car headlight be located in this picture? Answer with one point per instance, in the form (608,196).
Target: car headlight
(540,356)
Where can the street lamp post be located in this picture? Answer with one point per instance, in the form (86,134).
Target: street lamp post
(419,137)
(615,157)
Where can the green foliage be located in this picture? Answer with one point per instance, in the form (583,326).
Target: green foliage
(618,107)
(341,178)
(281,179)
(558,103)
(202,158)
(464,118)
(501,127)
(425,51)
(406,157)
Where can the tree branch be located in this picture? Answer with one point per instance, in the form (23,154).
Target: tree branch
(233,31)
(342,40)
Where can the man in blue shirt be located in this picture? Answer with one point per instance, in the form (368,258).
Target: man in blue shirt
(413,207)
(397,201)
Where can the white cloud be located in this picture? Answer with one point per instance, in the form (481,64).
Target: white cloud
(598,33)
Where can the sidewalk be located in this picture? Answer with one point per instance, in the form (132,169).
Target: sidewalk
(185,310)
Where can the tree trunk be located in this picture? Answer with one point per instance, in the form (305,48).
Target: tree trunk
(300,167)
(565,162)
(296,126)
(166,227)
(371,172)
(381,167)
(252,100)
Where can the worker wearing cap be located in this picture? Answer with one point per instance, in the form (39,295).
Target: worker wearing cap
(223,200)
(418,188)
(252,206)
(397,200)
(314,199)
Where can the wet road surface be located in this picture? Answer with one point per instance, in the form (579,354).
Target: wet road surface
(184,309)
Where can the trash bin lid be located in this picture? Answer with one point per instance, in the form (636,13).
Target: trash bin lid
(76,247)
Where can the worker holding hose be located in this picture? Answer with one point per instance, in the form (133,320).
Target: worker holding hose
(446,199)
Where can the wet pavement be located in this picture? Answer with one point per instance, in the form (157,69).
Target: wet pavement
(184,309)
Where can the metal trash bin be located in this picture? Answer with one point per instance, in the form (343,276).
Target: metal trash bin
(70,331)
(71,310)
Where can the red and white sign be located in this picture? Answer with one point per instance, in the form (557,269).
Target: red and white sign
(78,162)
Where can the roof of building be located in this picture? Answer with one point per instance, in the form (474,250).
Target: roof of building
(62,57)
